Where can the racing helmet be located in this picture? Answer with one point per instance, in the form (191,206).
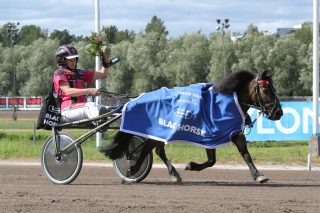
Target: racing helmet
(66,52)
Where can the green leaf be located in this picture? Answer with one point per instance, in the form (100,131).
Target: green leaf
(98,44)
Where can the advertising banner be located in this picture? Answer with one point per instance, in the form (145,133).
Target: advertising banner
(33,102)
(3,102)
(17,102)
(295,124)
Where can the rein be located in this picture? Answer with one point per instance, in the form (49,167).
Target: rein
(249,126)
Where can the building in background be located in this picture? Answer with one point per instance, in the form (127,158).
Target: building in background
(288,30)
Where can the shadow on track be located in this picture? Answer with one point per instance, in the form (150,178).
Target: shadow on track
(236,184)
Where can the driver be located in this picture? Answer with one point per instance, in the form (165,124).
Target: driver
(69,83)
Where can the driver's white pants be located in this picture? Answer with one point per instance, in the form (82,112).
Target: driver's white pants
(79,111)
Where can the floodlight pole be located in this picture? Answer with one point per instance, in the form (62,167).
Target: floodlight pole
(221,26)
(13,30)
(98,64)
(315,66)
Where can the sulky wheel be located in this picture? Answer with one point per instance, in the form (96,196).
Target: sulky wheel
(61,168)
(122,164)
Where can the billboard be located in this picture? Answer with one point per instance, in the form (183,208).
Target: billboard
(21,103)
(3,103)
(33,102)
(15,101)
(295,124)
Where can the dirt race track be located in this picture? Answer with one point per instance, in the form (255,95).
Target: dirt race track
(98,189)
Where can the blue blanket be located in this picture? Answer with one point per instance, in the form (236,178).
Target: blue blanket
(194,114)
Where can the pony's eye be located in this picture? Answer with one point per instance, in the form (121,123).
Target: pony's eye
(266,90)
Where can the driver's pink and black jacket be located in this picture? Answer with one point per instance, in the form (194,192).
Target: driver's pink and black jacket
(76,79)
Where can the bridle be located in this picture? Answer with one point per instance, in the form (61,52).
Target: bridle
(269,108)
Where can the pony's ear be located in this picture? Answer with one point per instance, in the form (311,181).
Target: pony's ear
(267,73)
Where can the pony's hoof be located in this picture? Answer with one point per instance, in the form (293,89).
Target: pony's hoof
(190,166)
(176,179)
(262,179)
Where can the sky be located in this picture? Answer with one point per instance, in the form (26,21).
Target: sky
(179,16)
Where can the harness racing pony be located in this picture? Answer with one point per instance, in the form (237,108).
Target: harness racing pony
(242,89)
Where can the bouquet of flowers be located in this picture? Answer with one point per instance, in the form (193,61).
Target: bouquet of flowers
(98,45)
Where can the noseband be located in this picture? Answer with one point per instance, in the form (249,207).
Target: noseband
(269,108)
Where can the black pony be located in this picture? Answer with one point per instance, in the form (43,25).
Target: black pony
(253,90)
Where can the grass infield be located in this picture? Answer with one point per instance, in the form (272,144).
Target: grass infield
(17,141)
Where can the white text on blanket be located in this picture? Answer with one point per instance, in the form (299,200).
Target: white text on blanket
(186,128)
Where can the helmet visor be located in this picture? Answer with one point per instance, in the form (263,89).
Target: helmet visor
(72,56)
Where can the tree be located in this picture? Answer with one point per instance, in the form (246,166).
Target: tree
(63,37)
(305,60)
(252,30)
(35,70)
(157,26)
(260,50)
(111,33)
(30,33)
(304,34)
(121,75)
(284,58)
(85,60)
(115,36)
(5,74)
(222,57)
(8,38)
(252,51)
(125,35)
(146,56)
(188,60)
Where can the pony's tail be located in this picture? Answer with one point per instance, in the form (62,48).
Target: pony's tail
(118,146)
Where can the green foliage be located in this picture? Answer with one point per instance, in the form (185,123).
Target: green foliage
(283,58)
(121,75)
(305,60)
(115,36)
(5,36)
(150,60)
(98,44)
(35,70)
(30,33)
(5,74)
(63,37)
(188,61)
(304,34)
(147,57)
(222,56)
(156,26)
(85,60)
(252,30)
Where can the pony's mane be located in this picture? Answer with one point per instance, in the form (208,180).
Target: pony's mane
(233,81)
